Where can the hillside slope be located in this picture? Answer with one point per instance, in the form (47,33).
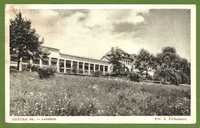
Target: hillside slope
(66,95)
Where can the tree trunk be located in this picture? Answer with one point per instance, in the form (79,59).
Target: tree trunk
(30,63)
(19,64)
(146,73)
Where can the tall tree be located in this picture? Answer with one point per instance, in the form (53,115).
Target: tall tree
(115,57)
(144,62)
(168,56)
(173,67)
(24,41)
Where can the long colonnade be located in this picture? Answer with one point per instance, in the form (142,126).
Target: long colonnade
(65,63)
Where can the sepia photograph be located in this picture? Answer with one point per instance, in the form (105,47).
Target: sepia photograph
(100,63)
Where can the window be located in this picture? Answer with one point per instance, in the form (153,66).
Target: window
(86,66)
(80,65)
(74,67)
(68,63)
(75,64)
(45,61)
(36,61)
(53,61)
(101,68)
(61,69)
(61,63)
(96,67)
(91,67)
(106,68)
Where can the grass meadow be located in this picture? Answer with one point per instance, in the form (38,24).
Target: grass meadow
(68,95)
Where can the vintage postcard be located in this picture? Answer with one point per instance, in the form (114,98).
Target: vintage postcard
(100,63)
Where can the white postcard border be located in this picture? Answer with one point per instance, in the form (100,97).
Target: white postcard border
(104,119)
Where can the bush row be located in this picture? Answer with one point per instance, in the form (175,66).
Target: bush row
(164,76)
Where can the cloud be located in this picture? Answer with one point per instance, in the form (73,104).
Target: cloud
(91,33)
(107,18)
(85,32)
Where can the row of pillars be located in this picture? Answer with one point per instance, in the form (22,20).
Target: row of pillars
(58,67)
(77,64)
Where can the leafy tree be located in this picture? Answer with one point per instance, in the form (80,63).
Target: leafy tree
(115,57)
(144,62)
(172,67)
(168,57)
(24,41)
(169,50)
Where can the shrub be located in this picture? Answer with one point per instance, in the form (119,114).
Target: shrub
(97,73)
(13,69)
(35,68)
(25,67)
(107,74)
(74,71)
(46,72)
(134,77)
(169,75)
(149,77)
(30,67)
(185,78)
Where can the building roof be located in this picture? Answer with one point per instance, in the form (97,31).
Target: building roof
(84,58)
(50,48)
(76,57)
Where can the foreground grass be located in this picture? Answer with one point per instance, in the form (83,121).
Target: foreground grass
(65,95)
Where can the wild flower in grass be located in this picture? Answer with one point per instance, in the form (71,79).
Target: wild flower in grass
(65,97)
(100,112)
(84,95)
(36,108)
(81,104)
(31,93)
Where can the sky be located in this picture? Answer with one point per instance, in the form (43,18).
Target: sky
(92,32)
